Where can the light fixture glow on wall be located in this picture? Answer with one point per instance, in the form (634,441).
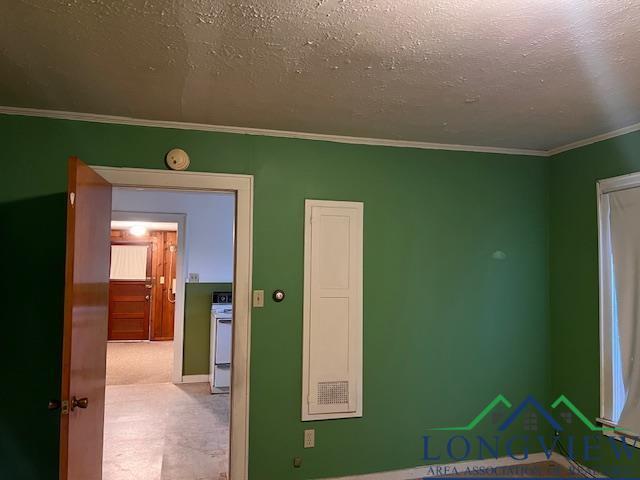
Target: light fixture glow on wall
(138,230)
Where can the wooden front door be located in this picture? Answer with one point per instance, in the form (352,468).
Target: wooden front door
(85,323)
(163,273)
(129,302)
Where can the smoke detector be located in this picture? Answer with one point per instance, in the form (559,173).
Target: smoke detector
(177,159)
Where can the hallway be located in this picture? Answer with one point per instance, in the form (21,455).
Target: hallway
(131,363)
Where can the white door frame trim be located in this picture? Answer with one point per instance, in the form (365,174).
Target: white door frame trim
(242,186)
(178,318)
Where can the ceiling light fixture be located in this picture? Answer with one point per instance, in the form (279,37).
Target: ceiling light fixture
(138,230)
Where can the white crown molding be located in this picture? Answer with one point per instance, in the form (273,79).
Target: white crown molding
(97,118)
(598,138)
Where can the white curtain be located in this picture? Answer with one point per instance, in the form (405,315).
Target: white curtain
(625,248)
(128,262)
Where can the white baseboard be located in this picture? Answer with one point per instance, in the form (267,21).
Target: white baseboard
(448,469)
(564,461)
(195,378)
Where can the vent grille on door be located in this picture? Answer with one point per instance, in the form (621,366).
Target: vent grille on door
(332,393)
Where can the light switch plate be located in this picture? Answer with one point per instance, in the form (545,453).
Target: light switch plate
(194,278)
(309,438)
(258,298)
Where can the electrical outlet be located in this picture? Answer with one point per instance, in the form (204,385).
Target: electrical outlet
(194,278)
(258,298)
(309,438)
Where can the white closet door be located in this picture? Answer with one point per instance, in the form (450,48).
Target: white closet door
(332,348)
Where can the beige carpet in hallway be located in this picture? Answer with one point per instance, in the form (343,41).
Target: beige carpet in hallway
(130,363)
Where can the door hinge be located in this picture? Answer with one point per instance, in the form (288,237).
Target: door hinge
(64,407)
(72,198)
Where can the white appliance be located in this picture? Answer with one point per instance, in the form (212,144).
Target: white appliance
(220,345)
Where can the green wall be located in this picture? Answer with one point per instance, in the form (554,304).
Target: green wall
(574,266)
(32,284)
(197,325)
(446,326)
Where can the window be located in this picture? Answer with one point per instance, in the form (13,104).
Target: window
(531,422)
(128,262)
(619,241)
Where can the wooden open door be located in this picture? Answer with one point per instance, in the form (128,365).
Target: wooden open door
(85,323)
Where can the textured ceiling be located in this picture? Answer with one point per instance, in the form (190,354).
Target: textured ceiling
(532,74)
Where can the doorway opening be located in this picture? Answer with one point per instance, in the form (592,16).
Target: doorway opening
(142,300)
(170,286)
(167,415)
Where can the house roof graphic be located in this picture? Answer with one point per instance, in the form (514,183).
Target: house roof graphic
(500,399)
(530,402)
(562,400)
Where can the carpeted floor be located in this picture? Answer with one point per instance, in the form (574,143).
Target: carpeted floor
(131,363)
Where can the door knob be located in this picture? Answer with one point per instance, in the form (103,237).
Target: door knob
(79,403)
(147,297)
